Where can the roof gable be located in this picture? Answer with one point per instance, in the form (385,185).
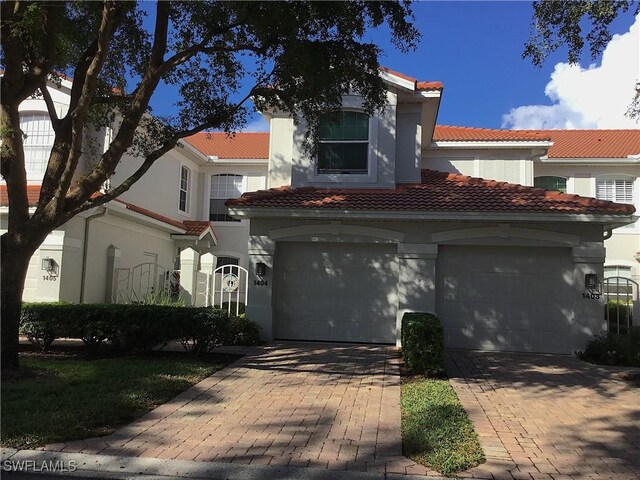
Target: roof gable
(242,145)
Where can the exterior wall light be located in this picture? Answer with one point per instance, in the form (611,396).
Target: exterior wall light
(261,269)
(591,281)
(50,266)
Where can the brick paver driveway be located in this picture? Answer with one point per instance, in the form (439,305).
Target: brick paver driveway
(303,405)
(545,417)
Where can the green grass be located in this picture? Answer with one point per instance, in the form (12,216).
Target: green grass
(436,431)
(62,398)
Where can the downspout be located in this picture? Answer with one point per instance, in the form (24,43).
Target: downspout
(85,250)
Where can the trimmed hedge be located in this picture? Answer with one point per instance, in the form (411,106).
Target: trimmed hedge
(422,338)
(135,328)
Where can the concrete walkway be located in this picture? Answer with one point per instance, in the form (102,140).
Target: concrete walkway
(547,417)
(305,405)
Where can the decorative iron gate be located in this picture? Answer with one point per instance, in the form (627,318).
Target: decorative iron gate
(230,288)
(621,303)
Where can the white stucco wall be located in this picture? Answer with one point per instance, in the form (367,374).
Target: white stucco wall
(513,166)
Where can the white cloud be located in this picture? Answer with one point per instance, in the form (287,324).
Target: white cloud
(593,97)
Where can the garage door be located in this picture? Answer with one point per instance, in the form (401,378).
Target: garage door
(335,292)
(505,298)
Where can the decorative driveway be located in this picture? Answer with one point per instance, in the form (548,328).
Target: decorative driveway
(548,417)
(290,404)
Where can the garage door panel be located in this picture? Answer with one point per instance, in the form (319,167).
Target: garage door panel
(344,292)
(505,298)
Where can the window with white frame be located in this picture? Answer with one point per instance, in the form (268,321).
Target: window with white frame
(223,261)
(618,190)
(344,143)
(38,140)
(185,186)
(617,271)
(223,187)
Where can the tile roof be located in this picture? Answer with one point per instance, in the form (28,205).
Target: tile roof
(242,145)
(33,194)
(438,192)
(447,133)
(592,143)
(196,227)
(151,214)
(419,85)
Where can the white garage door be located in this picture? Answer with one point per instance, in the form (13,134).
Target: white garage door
(335,292)
(505,298)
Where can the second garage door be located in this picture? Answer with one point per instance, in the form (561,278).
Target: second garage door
(335,292)
(505,298)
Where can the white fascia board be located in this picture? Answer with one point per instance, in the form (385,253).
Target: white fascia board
(440,216)
(630,160)
(121,210)
(424,94)
(201,156)
(238,161)
(398,81)
(480,144)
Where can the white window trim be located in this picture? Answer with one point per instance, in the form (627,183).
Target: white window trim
(353,104)
(245,182)
(634,228)
(187,191)
(31,175)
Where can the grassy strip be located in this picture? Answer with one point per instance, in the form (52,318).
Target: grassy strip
(62,398)
(436,431)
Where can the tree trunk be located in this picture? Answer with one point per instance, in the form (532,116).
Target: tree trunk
(14,264)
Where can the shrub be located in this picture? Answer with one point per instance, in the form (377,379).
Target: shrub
(239,305)
(135,328)
(422,339)
(614,349)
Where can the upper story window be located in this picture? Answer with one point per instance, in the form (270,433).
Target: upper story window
(185,186)
(617,271)
(223,261)
(224,187)
(551,183)
(344,143)
(38,140)
(618,190)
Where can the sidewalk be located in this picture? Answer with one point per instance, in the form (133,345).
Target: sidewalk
(110,467)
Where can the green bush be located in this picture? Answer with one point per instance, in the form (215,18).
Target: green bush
(614,349)
(618,314)
(239,305)
(135,328)
(422,338)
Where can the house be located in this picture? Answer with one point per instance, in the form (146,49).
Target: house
(385,221)
(390,218)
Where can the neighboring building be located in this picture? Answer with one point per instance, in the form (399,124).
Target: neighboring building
(370,229)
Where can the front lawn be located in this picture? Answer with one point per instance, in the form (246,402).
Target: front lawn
(436,431)
(61,397)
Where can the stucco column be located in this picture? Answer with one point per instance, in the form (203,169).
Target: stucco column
(113,261)
(189,274)
(207,265)
(260,301)
(416,280)
(588,318)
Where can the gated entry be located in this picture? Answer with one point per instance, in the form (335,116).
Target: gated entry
(621,303)
(230,287)
(146,282)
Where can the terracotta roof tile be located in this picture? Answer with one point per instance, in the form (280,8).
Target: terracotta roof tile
(438,192)
(195,227)
(148,213)
(419,85)
(241,146)
(33,194)
(446,133)
(592,143)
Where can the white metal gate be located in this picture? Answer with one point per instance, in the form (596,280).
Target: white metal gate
(621,303)
(230,288)
(145,283)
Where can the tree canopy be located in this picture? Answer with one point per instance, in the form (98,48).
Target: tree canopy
(294,56)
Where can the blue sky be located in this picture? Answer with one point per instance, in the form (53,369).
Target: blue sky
(475,49)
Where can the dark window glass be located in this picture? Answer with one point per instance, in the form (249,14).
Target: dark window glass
(551,183)
(222,261)
(344,143)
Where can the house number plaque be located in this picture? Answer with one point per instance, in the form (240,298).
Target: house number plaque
(591,296)
(261,283)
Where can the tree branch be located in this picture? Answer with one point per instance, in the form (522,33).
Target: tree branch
(51,108)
